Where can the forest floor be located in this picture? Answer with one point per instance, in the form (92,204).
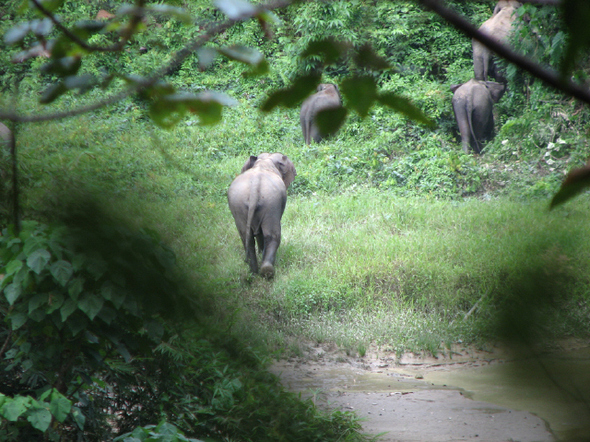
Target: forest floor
(425,398)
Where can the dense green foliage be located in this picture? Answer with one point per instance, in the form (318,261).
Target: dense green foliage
(392,236)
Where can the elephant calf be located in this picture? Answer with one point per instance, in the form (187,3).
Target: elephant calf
(257,199)
(326,97)
(473,104)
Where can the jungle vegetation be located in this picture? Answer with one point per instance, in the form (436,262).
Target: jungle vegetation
(127,310)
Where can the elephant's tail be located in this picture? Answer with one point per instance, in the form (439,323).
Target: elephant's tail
(252,203)
(475,141)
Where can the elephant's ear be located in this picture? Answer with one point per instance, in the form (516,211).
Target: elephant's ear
(249,163)
(496,90)
(454,87)
(287,170)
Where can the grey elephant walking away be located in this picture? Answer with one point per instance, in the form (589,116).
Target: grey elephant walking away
(497,27)
(473,104)
(326,97)
(5,134)
(257,200)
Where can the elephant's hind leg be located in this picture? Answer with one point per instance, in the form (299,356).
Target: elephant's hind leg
(271,245)
(251,254)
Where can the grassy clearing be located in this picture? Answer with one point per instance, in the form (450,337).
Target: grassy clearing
(361,262)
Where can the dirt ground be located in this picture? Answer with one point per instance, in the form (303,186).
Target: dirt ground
(396,402)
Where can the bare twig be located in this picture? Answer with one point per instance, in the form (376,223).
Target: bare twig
(549,76)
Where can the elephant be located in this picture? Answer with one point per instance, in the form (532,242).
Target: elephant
(473,104)
(257,199)
(505,3)
(497,27)
(326,97)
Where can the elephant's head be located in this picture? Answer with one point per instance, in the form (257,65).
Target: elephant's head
(506,3)
(329,88)
(281,162)
(496,90)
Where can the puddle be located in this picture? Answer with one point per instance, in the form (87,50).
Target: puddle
(508,399)
(555,388)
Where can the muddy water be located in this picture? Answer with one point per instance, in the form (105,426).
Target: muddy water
(504,391)
(554,387)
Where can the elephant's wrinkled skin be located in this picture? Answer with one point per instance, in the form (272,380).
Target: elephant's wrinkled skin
(326,97)
(473,104)
(257,199)
(497,27)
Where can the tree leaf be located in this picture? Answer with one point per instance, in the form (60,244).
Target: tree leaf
(329,49)
(366,57)
(330,120)
(40,418)
(68,307)
(91,304)
(575,182)
(13,409)
(13,266)
(52,93)
(178,13)
(38,260)
(60,406)
(360,92)
(79,417)
(236,9)
(404,106)
(37,301)
(12,292)
(17,320)
(62,271)
(292,95)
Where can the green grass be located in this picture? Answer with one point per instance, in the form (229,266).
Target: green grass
(362,261)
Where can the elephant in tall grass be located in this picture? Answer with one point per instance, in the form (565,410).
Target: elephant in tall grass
(257,200)
(497,27)
(5,134)
(473,104)
(326,97)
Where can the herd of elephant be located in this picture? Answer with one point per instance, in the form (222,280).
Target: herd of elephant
(258,196)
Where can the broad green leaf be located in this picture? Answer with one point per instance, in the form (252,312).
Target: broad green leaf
(404,106)
(330,120)
(12,292)
(366,57)
(40,418)
(206,57)
(83,82)
(75,287)
(62,271)
(236,9)
(329,49)
(292,95)
(52,93)
(55,301)
(576,181)
(17,320)
(17,33)
(63,66)
(37,301)
(51,5)
(13,267)
(77,323)
(68,307)
(90,304)
(60,406)
(155,330)
(38,260)
(360,93)
(169,109)
(178,13)
(33,243)
(79,417)
(13,409)
(123,351)
(576,16)
(242,54)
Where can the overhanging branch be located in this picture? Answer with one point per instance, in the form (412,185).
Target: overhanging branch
(549,76)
